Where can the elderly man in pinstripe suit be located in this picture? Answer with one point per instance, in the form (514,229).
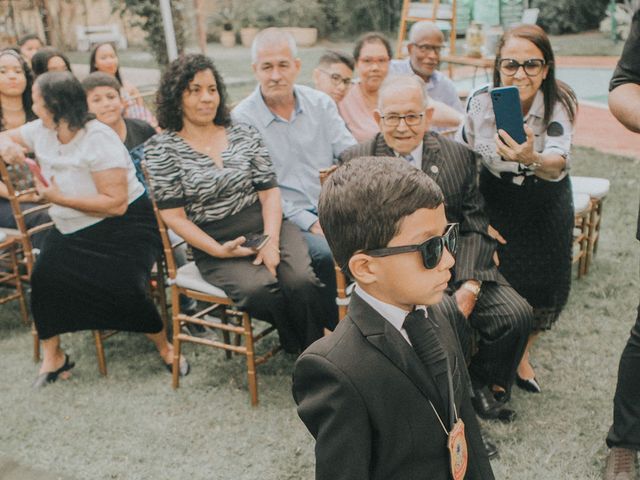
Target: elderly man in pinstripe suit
(480,297)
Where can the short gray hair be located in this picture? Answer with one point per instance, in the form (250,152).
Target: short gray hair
(421,28)
(270,37)
(402,83)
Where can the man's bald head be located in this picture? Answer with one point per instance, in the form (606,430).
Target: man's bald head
(403,85)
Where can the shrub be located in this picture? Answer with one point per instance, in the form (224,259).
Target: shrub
(570,16)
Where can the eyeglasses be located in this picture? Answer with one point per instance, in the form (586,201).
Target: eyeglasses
(532,67)
(431,250)
(337,80)
(393,119)
(427,47)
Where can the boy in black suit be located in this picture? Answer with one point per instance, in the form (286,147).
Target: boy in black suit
(386,394)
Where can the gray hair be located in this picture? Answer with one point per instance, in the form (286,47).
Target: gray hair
(270,37)
(421,28)
(402,83)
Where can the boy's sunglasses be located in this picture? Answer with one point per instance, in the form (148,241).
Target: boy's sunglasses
(431,250)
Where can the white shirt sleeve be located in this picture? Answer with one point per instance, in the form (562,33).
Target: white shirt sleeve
(106,151)
(30,131)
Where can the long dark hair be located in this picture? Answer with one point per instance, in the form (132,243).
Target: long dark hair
(27,102)
(175,80)
(64,97)
(554,90)
(40,60)
(92,59)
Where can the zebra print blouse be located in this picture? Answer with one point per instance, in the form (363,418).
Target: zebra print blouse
(183,177)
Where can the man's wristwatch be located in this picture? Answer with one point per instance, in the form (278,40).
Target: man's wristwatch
(473,287)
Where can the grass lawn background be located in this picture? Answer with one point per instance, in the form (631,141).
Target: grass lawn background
(132,425)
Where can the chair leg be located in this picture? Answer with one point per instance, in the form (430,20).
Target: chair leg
(251,361)
(102,364)
(226,335)
(175,373)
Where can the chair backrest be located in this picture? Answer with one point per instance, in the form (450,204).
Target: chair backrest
(530,16)
(19,183)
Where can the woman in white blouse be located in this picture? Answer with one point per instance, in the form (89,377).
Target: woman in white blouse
(94,269)
(526,186)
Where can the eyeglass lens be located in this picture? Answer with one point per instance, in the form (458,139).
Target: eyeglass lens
(410,119)
(532,67)
(433,248)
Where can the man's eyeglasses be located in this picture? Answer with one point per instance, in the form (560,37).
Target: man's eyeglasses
(427,47)
(337,79)
(532,67)
(431,250)
(393,119)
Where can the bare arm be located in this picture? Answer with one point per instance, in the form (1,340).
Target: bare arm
(110,201)
(272,219)
(445,116)
(624,103)
(12,146)
(176,219)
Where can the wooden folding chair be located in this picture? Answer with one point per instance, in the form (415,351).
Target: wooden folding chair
(582,207)
(10,274)
(186,280)
(19,184)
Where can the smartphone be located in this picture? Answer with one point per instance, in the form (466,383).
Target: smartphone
(255,241)
(508,112)
(35,171)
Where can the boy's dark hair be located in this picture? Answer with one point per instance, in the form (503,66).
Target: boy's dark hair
(175,80)
(332,57)
(64,97)
(29,36)
(363,202)
(100,79)
(371,37)
(40,60)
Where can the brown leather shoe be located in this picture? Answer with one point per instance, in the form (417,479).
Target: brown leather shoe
(621,464)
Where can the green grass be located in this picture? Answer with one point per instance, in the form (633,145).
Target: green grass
(132,425)
(591,43)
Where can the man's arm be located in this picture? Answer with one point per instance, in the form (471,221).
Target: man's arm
(624,103)
(335,414)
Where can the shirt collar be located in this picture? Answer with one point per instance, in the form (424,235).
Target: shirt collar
(266,116)
(392,314)
(537,107)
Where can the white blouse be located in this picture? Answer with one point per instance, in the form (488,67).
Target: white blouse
(95,147)
(479,129)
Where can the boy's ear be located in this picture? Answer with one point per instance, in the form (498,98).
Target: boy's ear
(363,268)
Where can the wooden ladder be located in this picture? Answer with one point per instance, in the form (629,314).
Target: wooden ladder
(423,10)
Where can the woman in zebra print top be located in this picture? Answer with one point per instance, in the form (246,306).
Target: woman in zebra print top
(214,183)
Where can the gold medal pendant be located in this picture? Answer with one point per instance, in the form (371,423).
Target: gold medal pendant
(458,455)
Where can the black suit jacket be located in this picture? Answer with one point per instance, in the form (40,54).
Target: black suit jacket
(364,394)
(453,167)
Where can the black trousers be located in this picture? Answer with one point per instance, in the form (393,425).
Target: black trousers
(625,431)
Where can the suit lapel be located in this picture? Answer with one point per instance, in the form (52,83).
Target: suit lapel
(390,342)
(431,156)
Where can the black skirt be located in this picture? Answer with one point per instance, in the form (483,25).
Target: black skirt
(536,219)
(98,278)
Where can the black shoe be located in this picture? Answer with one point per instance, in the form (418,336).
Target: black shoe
(489,446)
(487,407)
(185,368)
(49,377)
(530,385)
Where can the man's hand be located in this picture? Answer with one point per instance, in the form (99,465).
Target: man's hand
(493,233)
(316,228)
(269,255)
(466,299)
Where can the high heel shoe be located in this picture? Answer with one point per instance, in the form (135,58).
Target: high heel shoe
(529,385)
(49,377)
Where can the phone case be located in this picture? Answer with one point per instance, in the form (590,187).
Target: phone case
(255,241)
(508,112)
(35,171)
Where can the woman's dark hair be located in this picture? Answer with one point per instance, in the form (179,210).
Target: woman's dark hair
(29,36)
(371,37)
(40,60)
(362,204)
(27,102)
(100,79)
(92,59)
(175,80)
(64,97)
(554,90)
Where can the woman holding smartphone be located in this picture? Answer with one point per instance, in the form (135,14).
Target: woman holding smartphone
(526,186)
(94,270)
(215,187)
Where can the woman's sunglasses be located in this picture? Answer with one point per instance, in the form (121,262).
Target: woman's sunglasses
(431,250)
(532,67)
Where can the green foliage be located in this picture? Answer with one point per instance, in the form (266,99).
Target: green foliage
(570,16)
(149,17)
(352,17)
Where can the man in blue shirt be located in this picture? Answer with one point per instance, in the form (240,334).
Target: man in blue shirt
(304,133)
(425,44)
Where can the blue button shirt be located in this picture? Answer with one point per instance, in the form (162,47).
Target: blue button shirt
(310,140)
(439,87)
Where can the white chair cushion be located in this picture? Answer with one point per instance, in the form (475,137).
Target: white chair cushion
(596,187)
(581,202)
(188,276)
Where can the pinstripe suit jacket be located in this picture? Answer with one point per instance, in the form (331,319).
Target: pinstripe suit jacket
(453,167)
